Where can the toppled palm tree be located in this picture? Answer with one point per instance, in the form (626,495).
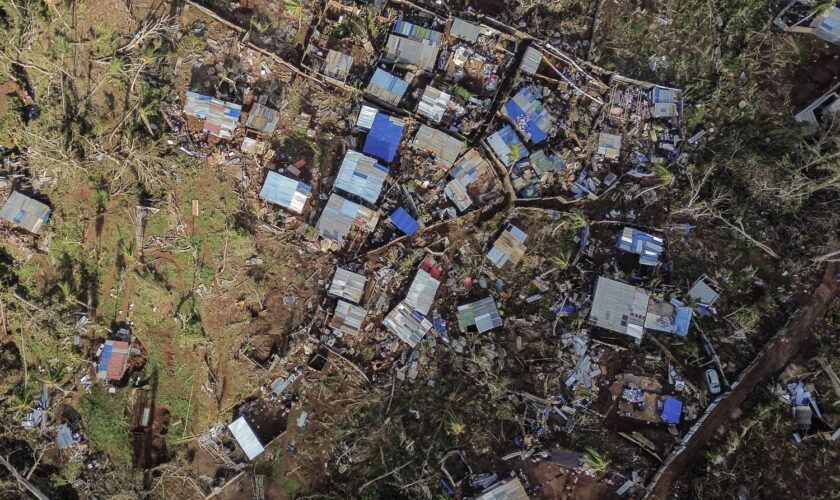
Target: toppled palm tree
(663,176)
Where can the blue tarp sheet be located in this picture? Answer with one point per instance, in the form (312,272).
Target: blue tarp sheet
(529,122)
(384,138)
(104,358)
(672,410)
(682,321)
(404,221)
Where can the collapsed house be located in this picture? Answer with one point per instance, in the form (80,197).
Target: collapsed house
(347,285)
(469,169)
(286,192)
(348,318)
(509,247)
(407,324)
(529,116)
(814,18)
(482,315)
(822,108)
(24,212)
(433,104)
(641,398)
(421,293)
(220,117)
(510,489)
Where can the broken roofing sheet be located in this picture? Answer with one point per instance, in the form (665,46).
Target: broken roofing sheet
(647,246)
(433,104)
(262,119)
(286,192)
(220,117)
(482,314)
(348,318)
(422,292)
(508,247)
(409,325)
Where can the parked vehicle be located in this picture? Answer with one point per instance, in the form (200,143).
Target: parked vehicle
(712,381)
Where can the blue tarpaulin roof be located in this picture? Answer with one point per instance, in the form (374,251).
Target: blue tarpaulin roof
(682,321)
(671,410)
(529,115)
(384,137)
(647,246)
(404,221)
(105,357)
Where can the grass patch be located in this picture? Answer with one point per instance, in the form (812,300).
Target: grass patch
(105,425)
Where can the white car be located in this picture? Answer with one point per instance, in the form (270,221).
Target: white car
(712,381)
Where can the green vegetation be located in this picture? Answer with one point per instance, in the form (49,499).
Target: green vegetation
(105,424)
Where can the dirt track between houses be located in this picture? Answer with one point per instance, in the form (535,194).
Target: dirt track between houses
(775,355)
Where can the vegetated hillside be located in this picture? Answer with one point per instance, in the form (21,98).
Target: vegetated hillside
(754,188)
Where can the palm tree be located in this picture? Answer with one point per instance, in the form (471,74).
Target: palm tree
(663,176)
(54,375)
(455,425)
(574,219)
(22,398)
(562,259)
(595,460)
(296,9)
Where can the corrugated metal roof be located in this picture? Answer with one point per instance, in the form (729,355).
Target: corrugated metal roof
(337,65)
(470,167)
(457,192)
(827,25)
(416,32)
(64,437)
(408,325)
(433,104)
(407,51)
(25,212)
(465,30)
(197,105)
(445,147)
(531,60)
(286,192)
(262,118)
(508,247)
(222,118)
(361,175)
(647,246)
(340,215)
(112,360)
(510,490)
(387,87)
(664,102)
(244,435)
(366,116)
(348,285)
(421,293)
(530,116)
(384,137)
(505,144)
(703,293)
(404,221)
(348,318)
(482,314)
(619,307)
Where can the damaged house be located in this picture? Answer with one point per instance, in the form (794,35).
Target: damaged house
(348,318)
(362,176)
(529,116)
(386,87)
(469,169)
(443,146)
(482,315)
(341,216)
(507,146)
(407,324)
(421,293)
(24,212)
(413,45)
(347,285)
(509,247)
(384,137)
(286,192)
(647,246)
(113,360)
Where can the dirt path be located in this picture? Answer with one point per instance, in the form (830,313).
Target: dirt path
(775,355)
